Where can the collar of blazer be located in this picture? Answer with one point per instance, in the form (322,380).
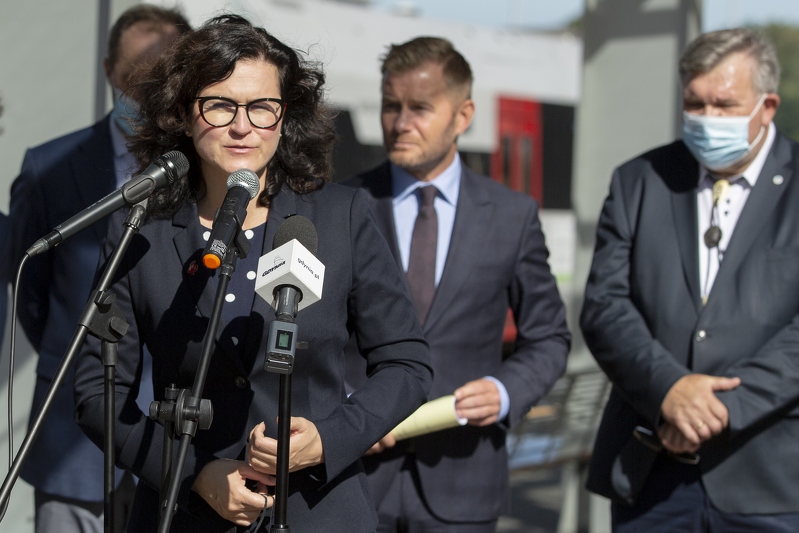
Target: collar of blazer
(92,167)
(474,217)
(378,183)
(759,206)
(189,248)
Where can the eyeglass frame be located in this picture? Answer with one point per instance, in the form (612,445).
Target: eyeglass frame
(647,437)
(202,99)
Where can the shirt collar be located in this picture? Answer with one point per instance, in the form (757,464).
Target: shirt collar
(448,182)
(752,172)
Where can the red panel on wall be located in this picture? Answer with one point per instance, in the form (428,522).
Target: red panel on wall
(518,160)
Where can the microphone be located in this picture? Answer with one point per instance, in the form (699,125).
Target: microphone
(242,186)
(720,190)
(712,236)
(163,171)
(290,277)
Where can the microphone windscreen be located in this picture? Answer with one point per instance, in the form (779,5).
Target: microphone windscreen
(720,189)
(300,228)
(244,178)
(176,163)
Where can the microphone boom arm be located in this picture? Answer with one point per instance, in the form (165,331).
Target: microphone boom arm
(102,319)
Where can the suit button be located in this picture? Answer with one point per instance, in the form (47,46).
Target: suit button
(701,335)
(240,382)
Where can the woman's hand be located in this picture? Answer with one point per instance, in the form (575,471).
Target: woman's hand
(221,483)
(305,447)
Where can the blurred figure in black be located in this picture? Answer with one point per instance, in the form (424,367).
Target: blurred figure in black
(57,180)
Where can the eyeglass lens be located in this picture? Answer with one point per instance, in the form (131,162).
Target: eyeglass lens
(221,112)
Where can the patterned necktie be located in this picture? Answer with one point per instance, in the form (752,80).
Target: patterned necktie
(422,263)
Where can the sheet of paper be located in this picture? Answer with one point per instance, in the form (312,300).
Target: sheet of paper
(433,416)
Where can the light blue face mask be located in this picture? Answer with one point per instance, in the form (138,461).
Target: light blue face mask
(719,142)
(125,112)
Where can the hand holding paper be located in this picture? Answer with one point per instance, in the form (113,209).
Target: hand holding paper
(479,402)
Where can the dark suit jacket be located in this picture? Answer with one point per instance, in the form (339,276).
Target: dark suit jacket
(59,179)
(497,260)
(168,302)
(644,322)
(5,268)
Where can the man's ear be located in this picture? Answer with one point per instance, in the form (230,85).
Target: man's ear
(463,116)
(770,105)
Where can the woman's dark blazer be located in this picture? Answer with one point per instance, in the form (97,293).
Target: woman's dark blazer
(166,295)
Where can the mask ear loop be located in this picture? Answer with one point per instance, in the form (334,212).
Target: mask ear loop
(757,139)
(762,128)
(757,107)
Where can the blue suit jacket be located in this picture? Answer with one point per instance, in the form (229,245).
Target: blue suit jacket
(58,179)
(497,260)
(167,297)
(643,314)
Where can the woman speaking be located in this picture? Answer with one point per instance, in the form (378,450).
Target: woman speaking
(231,96)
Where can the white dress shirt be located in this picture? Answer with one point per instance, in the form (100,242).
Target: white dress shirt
(727,213)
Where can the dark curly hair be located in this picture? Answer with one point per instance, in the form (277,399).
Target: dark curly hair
(166,92)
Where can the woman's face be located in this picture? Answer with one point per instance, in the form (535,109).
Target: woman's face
(225,149)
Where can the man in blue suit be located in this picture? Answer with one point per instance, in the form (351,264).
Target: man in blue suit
(471,250)
(57,180)
(691,309)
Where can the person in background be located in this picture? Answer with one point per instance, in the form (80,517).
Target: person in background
(58,179)
(691,309)
(471,249)
(4,265)
(230,96)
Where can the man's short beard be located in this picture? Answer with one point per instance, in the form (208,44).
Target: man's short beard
(414,165)
(420,165)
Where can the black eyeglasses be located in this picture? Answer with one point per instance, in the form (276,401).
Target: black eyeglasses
(647,438)
(219,111)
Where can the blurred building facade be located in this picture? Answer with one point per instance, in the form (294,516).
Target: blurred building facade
(555,112)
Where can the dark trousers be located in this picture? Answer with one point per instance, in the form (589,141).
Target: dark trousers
(673,499)
(403,509)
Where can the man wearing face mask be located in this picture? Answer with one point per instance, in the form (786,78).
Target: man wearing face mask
(58,179)
(691,309)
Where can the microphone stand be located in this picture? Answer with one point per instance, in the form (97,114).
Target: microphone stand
(102,319)
(281,346)
(182,411)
